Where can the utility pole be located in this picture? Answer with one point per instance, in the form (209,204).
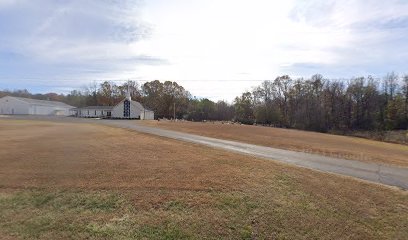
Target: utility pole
(174,111)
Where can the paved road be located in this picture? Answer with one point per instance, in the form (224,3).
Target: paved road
(374,172)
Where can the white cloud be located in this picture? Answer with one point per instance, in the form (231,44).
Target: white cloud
(221,39)
(186,40)
(8,3)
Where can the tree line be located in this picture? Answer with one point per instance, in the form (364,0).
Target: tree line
(316,103)
(319,104)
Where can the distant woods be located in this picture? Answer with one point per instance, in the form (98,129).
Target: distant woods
(317,104)
(323,105)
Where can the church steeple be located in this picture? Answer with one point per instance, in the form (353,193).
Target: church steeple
(128,97)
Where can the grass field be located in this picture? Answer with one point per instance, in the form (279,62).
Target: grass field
(324,144)
(81,181)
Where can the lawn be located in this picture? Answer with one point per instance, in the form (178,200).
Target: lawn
(83,181)
(303,141)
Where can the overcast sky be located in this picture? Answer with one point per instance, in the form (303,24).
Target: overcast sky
(211,47)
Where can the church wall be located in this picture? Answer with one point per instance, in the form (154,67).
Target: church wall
(135,110)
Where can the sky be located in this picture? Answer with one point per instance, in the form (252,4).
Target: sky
(214,48)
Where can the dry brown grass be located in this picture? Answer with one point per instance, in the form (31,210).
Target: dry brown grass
(302,141)
(62,180)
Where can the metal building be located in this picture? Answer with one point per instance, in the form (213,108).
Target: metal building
(17,105)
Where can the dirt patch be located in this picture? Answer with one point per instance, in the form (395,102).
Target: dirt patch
(61,180)
(311,142)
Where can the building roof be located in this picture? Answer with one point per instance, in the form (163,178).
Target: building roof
(43,102)
(97,107)
(111,107)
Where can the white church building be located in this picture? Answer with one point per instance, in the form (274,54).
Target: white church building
(26,106)
(126,109)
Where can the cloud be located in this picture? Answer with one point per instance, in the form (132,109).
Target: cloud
(192,41)
(7,3)
(78,39)
(351,36)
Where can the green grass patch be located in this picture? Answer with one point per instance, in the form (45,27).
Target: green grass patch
(33,214)
(176,206)
(37,214)
(71,201)
(236,201)
(276,213)
(165,231)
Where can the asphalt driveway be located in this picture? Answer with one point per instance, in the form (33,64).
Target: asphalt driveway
(374,172)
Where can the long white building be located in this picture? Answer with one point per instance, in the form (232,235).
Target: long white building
(17,105)
(94,112)
(126,109)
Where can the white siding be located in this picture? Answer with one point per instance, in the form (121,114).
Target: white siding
(147,115)
(84,113)
(93,113)
(88,113)
(10,105)
(48,110)
(135,110)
